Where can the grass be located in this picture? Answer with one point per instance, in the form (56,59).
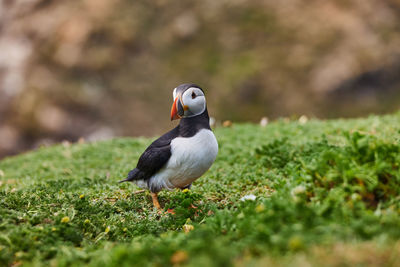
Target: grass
(328,192)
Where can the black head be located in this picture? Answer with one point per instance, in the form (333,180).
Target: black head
(189,101)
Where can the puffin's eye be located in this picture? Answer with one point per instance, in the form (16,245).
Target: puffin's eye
(193,95)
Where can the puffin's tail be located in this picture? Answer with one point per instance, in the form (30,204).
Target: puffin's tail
(131,176)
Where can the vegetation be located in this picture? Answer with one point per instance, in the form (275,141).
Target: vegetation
(326,192)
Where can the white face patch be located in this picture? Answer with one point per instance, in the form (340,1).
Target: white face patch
(195,101)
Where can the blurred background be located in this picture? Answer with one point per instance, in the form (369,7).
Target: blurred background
(103,68)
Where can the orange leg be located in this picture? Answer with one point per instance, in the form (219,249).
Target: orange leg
(155,200)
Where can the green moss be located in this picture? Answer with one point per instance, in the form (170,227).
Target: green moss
(317,184)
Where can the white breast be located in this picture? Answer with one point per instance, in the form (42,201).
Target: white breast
(190,158)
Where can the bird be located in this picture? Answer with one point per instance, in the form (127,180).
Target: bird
(182,155)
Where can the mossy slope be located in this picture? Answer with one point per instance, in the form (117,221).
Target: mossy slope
(318,184)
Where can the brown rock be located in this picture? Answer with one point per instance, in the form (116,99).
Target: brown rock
(227,123)
(179,257)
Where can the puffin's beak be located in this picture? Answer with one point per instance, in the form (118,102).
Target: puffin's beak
(177,110)
(174,110)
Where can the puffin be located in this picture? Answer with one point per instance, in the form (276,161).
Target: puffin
(180,156)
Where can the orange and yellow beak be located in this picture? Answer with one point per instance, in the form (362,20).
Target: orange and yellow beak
(178,108)
(174,109)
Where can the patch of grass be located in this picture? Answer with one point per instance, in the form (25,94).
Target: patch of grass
(319,185)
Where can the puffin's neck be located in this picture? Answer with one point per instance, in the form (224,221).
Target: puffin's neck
(188,127)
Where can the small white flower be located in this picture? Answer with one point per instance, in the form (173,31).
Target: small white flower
(212,122)
(303,119)
(298,190)
(248,197)
(264,121)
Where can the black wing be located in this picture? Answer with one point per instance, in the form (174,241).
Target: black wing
(154,157)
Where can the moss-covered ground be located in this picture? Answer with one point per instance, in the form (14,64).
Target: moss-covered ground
(327,192)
